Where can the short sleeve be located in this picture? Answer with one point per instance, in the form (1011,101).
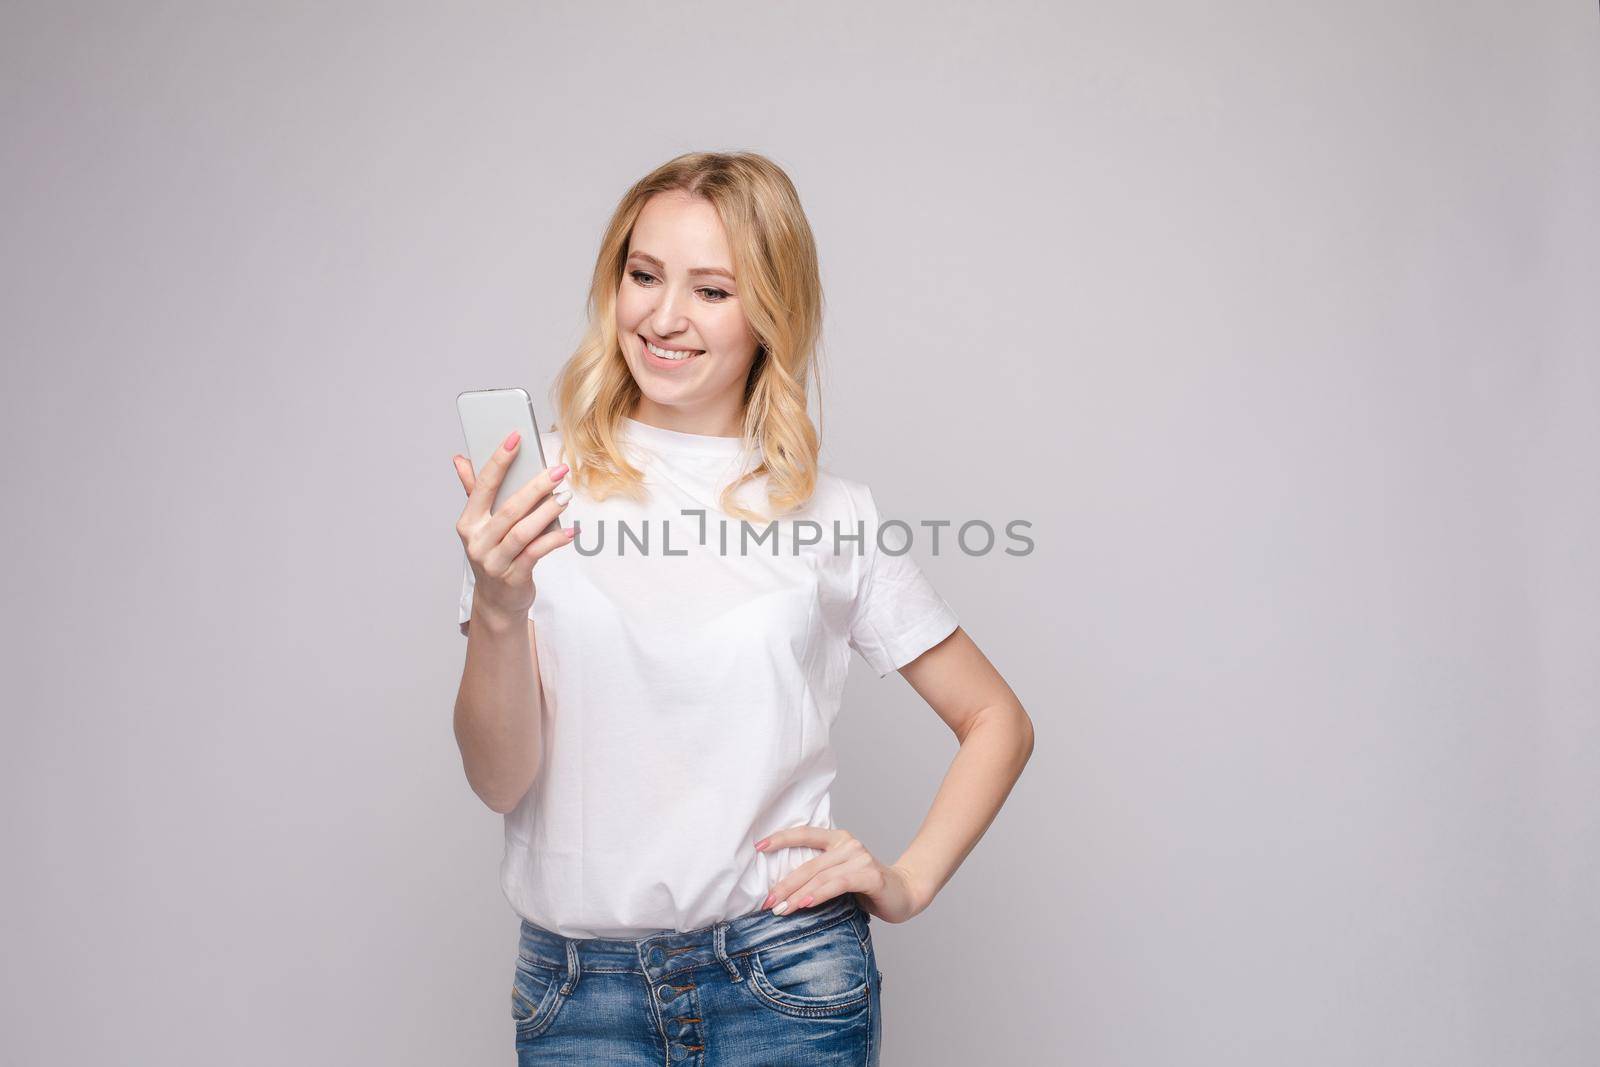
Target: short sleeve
(468,582)
(898,614)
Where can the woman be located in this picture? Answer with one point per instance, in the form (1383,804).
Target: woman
(656,733)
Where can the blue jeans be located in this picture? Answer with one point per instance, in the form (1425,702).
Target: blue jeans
(762,989)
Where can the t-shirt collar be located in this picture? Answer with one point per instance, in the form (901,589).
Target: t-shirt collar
(656,437)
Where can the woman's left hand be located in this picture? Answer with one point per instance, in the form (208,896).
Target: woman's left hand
(845,866)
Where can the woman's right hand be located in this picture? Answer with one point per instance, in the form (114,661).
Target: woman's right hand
(504,545)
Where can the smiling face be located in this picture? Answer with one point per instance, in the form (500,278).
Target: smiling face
(678,292)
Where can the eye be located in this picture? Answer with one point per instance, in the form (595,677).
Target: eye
(642,278)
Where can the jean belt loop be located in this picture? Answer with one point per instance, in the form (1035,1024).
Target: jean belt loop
(719,940)
(573,971)
(863,922)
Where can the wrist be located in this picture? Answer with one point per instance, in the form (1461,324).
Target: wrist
(920,890)
(497,619)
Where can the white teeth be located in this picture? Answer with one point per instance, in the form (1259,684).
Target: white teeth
(664,354)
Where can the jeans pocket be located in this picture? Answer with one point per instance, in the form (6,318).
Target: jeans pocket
(535,996)
(823,973)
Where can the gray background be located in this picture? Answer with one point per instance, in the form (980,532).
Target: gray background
(1273,318)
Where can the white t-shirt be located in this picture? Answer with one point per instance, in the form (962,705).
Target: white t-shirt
(690,690)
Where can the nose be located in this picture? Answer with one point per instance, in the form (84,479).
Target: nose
(668,317)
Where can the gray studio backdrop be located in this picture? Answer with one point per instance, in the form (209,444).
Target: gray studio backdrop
(1274,319)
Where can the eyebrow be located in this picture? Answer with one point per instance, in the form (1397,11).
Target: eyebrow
(648,258)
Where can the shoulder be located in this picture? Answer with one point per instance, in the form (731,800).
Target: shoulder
(834,493)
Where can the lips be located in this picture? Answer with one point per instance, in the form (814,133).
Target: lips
(670,348)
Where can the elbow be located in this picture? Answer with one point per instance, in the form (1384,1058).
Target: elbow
(503,803)
(499,782)
(1009,725)
(1024,735)
(501,789)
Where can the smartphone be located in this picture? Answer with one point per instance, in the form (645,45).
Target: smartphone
(487,417)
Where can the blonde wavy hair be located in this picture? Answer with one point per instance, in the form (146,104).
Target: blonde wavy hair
(780,290)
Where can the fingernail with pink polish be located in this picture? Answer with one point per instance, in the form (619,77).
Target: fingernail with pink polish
(511,440)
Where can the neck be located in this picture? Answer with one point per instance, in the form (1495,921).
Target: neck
(708,421)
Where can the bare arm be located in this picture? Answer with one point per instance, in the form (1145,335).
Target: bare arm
(501,702)
(498,708)
(996,737)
